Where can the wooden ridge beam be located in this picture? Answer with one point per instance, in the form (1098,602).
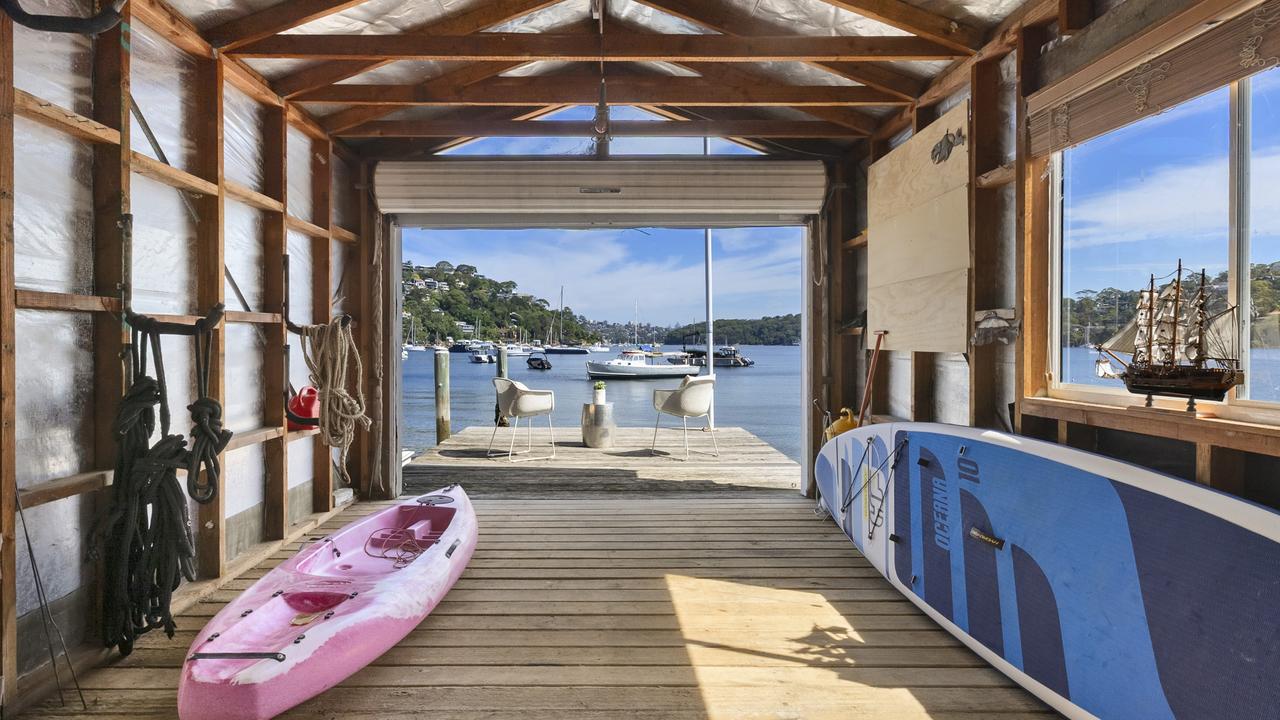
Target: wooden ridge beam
(528,47)
(550,128)
(728,19)
(916,21)
(275,19)
(632,91)
(486,16)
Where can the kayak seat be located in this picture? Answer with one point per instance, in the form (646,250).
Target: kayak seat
(313,601)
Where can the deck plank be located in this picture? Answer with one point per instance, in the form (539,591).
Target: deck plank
(619,585)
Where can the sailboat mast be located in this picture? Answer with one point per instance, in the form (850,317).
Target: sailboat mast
(1177,317)
(561,340)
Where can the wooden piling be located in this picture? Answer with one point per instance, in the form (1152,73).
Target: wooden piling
(442,396)
(502,373)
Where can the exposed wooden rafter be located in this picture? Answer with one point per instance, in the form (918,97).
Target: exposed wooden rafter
(485,16)
(277,18)
(729,19)
(1003,40)
(586,91)
(904,16)
(528,47)
(557,128)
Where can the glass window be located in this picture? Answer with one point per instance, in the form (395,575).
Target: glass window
(1260,240)
(1134,202)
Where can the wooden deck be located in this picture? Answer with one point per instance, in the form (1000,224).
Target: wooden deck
(599,599)
(746,464)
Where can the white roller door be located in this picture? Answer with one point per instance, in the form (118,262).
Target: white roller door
(534,192)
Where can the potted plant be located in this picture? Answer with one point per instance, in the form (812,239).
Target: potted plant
(598,395)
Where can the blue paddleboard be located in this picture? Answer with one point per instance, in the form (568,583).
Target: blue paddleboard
(1105,589)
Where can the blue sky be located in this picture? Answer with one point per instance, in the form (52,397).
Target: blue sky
(604,272)
(1138,199)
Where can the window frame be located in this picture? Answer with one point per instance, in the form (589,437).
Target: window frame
(1238,263)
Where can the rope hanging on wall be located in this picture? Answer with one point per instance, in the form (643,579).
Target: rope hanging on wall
(328,350)
(146,532)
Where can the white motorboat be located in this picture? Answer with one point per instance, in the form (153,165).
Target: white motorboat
(482,356)
(638,364)
(516,350)
(599,348)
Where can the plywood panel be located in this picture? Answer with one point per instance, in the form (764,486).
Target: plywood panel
(932,238)
(928,314)
(918,247)
(907,177)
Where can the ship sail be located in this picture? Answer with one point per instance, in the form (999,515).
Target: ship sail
(1131,339)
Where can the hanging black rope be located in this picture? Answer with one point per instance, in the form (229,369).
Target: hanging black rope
(106,19)
(147,535)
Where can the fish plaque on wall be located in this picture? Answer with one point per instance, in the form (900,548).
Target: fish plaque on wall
(1105,589)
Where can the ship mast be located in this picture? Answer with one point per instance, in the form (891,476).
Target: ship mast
(1200,322)
(1151,307)
(1177,318)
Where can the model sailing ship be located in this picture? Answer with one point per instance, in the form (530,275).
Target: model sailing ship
(1176,346)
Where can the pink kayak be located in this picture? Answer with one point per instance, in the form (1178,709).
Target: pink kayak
(329,610)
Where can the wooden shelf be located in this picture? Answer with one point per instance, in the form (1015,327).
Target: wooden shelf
(306,228)
(343,234)
(261,318)
(171,176)
(1233,434)
(300,434)
(249,196)
(51,490)
(39,300)
(59,118)
(856,242)
(253,437)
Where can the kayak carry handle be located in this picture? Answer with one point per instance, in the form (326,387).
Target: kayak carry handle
(277,656)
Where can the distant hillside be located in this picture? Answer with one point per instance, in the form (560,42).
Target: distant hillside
(777,330)
(1093,316)
(445,301)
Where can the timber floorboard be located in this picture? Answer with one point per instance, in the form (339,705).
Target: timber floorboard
(662,591)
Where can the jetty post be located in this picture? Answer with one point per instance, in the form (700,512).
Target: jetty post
(442,395)
(502,373)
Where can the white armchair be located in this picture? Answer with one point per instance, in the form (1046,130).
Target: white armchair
(691,400)
(516,401)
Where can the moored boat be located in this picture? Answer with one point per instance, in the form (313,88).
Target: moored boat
(481,356)
(566,350)
(328,611)
(637,364)
(538,361)
(727,356)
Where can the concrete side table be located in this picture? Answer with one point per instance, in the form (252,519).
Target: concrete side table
(598,425)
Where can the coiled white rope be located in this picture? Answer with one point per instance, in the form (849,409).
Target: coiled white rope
(328,351)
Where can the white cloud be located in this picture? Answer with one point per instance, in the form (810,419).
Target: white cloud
(603,278)
(1183,202)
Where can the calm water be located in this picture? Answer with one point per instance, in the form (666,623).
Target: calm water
(764,399)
